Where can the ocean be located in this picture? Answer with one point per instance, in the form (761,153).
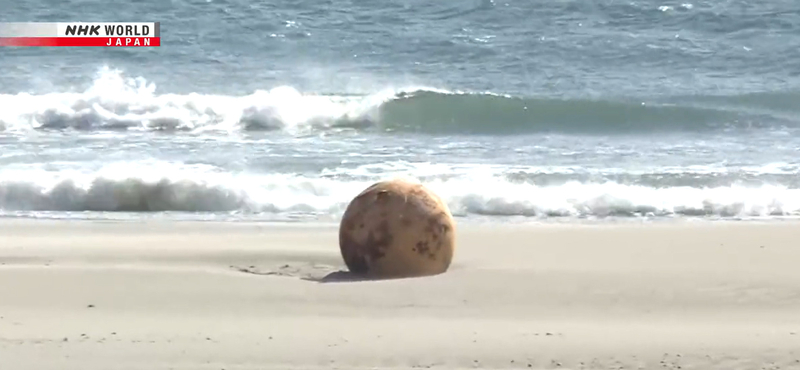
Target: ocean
(512,111)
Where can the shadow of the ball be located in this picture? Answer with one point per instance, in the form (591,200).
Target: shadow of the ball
(348,276)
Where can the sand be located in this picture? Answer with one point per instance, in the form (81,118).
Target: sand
(200,295)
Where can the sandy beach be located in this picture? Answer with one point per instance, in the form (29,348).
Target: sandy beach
(169,295)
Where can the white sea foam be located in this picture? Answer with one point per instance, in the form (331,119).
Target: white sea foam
(164,186)
(580,190)
(115,101)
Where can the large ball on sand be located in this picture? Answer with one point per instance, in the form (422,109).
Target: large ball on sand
(397,229)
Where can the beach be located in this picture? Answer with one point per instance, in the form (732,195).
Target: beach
(207,295)
(624,176)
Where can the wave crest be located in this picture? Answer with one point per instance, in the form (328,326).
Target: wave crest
(114,102)
(128,188)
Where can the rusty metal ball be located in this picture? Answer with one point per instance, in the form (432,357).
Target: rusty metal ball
(397,229)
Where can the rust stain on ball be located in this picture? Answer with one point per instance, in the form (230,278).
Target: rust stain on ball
(397,229)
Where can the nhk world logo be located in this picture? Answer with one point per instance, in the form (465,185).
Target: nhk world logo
(109,34)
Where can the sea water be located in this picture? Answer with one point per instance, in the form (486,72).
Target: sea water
(509,109)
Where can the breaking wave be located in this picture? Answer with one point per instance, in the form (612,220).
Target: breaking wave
(115,102)
(164,187)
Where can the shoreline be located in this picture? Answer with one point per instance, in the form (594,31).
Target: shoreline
(523,221)
(188,295)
